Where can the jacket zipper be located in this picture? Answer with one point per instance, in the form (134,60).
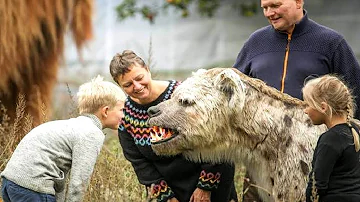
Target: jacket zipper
(285,63)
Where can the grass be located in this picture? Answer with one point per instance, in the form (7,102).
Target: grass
(113,178)
(11,134)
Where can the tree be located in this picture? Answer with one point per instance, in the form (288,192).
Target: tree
(130,8)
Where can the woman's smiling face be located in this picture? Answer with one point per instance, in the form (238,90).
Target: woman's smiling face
(137,82)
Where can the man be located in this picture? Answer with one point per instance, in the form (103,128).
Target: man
(294,47)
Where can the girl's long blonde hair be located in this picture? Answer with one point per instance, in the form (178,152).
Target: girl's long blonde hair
(333,91)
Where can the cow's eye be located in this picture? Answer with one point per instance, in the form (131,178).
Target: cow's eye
(186,102)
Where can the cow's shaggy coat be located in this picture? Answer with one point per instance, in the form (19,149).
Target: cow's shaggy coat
(31,44)
(222,115)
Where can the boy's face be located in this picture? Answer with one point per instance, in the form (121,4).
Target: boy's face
(114,116)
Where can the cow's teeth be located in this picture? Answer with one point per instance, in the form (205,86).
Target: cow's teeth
(159,133)
(154,137)
(162,132)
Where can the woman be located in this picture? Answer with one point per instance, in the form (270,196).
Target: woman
(171,179)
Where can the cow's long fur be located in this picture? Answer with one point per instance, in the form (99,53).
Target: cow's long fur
(31,45)
(222,115)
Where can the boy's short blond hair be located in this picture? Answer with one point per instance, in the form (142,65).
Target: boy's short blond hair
(97,93)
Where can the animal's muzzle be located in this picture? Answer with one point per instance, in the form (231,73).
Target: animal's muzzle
(153,111)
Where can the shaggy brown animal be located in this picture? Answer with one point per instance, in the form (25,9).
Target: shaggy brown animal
(222,115)
(31,45)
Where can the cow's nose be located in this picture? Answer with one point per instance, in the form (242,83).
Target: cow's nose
(153,111)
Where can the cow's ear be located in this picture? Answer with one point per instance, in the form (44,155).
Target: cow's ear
(230,84)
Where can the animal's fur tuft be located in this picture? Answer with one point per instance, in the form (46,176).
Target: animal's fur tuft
(31,45)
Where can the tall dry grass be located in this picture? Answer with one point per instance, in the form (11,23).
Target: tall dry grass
(113,178)
(12,132)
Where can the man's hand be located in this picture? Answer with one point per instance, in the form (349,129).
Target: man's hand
(200,195)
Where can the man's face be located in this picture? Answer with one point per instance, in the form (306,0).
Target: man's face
(282,14)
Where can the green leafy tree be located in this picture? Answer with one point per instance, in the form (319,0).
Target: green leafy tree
(207,8)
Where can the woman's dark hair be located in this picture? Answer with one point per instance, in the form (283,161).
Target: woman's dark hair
(123,62)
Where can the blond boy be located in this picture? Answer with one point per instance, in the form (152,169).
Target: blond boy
(39,165)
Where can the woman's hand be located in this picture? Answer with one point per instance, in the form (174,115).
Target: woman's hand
(200,195)
(173,200)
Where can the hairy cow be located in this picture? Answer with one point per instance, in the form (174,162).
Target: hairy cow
(32,37)
(222,115)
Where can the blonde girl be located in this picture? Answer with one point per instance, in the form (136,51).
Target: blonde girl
(335,174)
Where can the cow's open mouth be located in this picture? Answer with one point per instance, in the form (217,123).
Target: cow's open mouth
(160,135)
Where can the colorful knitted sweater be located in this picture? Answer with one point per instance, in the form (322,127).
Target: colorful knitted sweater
(170,176)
